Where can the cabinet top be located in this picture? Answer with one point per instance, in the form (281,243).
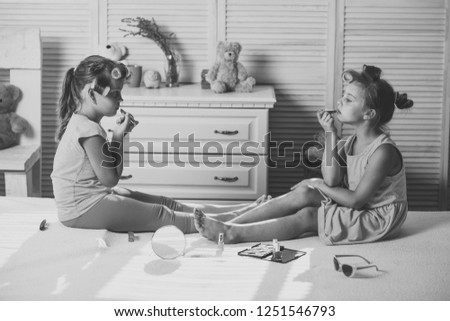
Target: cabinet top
(192,95)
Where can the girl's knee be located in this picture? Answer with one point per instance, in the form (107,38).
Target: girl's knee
(308,195)
(303,192)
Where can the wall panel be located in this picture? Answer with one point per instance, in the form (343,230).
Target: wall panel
(407,40)
(67,29)
(285,44)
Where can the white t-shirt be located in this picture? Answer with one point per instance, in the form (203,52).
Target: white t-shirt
(75,186)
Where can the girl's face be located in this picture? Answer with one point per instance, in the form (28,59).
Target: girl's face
(109,104)
(351,108)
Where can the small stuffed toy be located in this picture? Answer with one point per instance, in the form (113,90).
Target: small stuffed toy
(152,79)
(228,74)
(116,52)
(11,124)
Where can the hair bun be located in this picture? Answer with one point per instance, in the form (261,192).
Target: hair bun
(402,101)
(372,71)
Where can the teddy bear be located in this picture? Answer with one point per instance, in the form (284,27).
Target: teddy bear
(116,52)
(228,74)
(11,124)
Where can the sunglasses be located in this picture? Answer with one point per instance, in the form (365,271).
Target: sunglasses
(349,270)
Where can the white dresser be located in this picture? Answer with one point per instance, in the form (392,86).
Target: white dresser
(191,143)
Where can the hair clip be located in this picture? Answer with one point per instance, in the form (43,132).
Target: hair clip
(106,91)
(347,77)
(372,71)
(116,74)
(402,101)
(102,91)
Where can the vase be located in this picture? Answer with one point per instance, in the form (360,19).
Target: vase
(135,75)
(172,71)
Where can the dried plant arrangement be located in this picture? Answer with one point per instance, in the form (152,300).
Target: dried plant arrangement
(149,29)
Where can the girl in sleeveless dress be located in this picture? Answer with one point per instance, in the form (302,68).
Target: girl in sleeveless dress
(362,196)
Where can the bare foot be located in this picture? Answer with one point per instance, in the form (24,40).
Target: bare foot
(210,228)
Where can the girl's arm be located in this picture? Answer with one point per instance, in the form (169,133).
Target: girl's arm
(333,160)
(107,158)
(380,164)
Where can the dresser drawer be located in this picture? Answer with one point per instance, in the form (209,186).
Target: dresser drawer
(200,131)
(197,176)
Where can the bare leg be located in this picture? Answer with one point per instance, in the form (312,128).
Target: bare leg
(119,213)
(224,212)
(236,209)
(283,228)
(284,205)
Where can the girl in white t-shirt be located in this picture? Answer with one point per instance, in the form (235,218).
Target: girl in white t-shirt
(87,169)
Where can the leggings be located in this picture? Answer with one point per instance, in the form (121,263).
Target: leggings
(130,211)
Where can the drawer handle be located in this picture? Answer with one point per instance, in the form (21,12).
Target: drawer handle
(126,176)
(226,132)
(226,179)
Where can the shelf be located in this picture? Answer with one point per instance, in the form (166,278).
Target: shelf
(193,96)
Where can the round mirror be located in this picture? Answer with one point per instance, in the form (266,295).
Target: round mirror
(168,242)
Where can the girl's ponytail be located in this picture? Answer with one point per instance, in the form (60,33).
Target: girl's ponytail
(67,102)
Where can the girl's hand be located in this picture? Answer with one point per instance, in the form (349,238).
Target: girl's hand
(326,121)
(125,123)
